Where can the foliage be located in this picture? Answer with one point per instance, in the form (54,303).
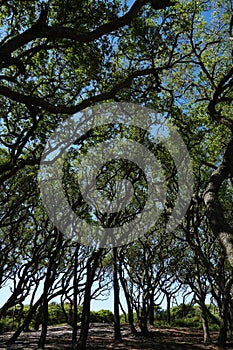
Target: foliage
(6,325)
(56,316)
(59,57)
(103,316)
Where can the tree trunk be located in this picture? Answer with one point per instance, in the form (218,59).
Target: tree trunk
(129,306)
(26,322)
(220,227)
(143,319)
(85,319)
(205,326)
(38,318)
(152,309)
(45,313)
(222,337)
(50,278)
(168,308)
(230,319)
(117,330)
(75,304)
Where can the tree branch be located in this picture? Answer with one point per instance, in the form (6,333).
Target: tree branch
(64,109)
(41,30)
(215,214)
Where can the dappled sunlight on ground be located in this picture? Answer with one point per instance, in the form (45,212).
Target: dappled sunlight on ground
(101,337)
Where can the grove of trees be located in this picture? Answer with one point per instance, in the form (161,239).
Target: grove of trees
(58,58)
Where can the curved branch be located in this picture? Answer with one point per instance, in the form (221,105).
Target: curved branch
(215,214)
(225,83)
(41,30)
(64,109)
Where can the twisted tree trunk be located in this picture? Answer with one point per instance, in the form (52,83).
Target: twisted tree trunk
(220,227)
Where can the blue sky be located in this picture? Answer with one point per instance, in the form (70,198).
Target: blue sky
(105,303)
(95,304)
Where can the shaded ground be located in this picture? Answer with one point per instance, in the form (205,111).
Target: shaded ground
(101,337)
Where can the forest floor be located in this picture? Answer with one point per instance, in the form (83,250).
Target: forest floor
(101,338)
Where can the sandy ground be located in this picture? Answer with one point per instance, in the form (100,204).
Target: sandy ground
(101,337)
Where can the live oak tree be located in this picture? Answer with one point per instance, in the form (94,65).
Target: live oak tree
(59,57)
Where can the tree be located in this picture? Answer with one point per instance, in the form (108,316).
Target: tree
(92,265)
(56,59)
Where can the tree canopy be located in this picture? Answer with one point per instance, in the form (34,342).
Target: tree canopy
(58,58)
